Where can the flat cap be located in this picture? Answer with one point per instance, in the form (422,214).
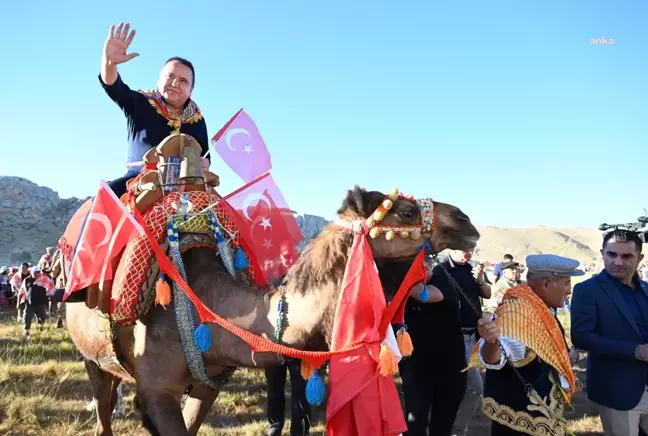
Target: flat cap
(553,265)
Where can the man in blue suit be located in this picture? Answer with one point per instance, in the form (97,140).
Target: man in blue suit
(609,319)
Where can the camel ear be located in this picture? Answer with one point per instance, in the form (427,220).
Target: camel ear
(354,201)
(361,202)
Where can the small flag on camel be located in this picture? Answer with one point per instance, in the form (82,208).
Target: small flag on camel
(268,229)
(107,229)
(241,146)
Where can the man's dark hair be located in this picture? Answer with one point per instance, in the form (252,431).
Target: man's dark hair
(25,264)
(621,235)
(187,64)
(508,257)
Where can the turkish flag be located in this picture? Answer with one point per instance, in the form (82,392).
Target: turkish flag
(361,401)
(268,229)
(108,227)
(242,148)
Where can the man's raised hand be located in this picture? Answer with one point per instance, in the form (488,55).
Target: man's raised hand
(117,43)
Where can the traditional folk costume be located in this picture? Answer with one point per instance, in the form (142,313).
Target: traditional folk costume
(534,342)
(149,122)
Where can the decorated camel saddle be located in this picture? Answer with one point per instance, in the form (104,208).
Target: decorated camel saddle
(171,196)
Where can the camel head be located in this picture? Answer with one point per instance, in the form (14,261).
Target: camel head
(396,231)
(452,229)
(399,230)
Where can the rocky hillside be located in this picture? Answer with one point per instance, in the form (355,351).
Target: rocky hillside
(34,217)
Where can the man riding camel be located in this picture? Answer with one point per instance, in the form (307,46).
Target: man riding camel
(154,114)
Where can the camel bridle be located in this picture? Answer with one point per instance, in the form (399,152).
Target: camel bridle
(372,226)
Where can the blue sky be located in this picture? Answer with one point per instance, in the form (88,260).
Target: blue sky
(502,108)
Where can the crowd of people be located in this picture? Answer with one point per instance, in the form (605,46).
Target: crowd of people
(32,291)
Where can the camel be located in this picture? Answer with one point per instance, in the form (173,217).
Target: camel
(152,345)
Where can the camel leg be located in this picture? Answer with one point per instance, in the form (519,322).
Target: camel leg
(161,412)
(117,400)
(103,389)
(197,406)
(201,398)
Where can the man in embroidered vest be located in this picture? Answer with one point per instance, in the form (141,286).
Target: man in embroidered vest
(535,349)
(151,115)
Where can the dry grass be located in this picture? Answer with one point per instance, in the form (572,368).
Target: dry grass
(44,391)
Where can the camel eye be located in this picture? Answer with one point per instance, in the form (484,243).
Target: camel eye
(407,214)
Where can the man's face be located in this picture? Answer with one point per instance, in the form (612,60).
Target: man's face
(554,291)
(461,257)
(24,270)
(621,259)
(176,83)
(512,273)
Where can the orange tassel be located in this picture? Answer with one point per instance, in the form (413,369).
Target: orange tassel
(162,292)
(387,363)
(307,370)
(404,341)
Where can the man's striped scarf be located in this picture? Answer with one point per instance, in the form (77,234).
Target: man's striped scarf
(523,316)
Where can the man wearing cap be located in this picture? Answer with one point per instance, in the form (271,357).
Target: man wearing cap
(535,350)
(509,278)
(609,320)
(35,289)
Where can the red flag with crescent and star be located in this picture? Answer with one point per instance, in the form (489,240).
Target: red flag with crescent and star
(241,146)
(268,229)
(108,228)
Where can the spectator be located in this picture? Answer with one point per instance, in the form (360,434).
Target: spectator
(497,271)
(35,289)
(609,320)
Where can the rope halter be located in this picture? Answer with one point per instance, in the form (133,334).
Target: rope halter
(373,227)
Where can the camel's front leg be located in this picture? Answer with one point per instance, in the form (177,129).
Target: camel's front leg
(197,406)
(161,412)
(200,399)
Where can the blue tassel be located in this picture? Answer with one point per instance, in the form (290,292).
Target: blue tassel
(202,337)
(240,260)
(425,295)
(315,389)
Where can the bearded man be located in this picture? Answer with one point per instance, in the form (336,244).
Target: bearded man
(609,320)
(535,350)
(151,115)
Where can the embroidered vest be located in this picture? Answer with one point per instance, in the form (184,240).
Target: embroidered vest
(506,401)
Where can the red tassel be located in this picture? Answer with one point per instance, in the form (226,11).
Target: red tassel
(404,341)
(162,292)
(307,370)
(388,365)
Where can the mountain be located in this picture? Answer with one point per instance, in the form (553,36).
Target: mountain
(34,217)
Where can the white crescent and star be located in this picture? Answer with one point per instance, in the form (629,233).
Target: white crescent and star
(247,148)
(247,202)
(265,223)
(105,222)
